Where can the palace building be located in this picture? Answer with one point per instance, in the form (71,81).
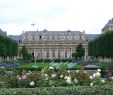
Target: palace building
(108,26)
(53,44)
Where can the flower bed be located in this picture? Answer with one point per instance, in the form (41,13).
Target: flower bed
(50,77)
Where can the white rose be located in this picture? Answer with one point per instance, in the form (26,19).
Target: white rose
(75,80)
(103,81)
(98,74)
(53,75)
(90,77)
(94,75)
(61,76)
(91,84)
(69,78)
(77,71)
(32,83)
(51,67)
(65,77)
(46,75)
(68,71)
(68,81)
(112,78)
(99,70)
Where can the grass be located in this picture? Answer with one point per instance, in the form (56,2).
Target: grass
(106,64)
(63,65)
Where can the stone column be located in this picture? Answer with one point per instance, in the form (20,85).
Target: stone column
(56,54)
(50,54)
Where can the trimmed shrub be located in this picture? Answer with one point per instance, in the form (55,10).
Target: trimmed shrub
(79,90)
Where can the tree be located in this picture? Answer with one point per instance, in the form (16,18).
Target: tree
(79,51)
(25,54)
(8,46)
(102,46)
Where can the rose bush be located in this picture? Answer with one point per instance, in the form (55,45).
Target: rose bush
(50,77)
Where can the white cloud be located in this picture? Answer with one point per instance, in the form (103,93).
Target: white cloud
(88,15)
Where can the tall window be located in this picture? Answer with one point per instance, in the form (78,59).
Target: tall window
(65,54)
(53,54)
(40,37)
(59,54)
(47,54)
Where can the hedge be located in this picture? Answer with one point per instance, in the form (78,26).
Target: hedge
(102,46)
(78,90)
(8,46)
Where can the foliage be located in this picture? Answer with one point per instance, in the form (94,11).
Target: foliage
(79,52)
(25,54)
(8,46)
(49,77)
(102,46)
(76,90)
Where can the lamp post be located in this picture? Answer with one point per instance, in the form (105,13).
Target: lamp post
(35,60)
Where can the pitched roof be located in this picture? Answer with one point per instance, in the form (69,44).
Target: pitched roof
(2,32)
(89,37)
(92,36)
(16,37)
(110,22)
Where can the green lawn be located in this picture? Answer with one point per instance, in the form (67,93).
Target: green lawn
(63,65)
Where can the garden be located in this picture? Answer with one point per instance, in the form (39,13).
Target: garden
(89,76)
(58,78)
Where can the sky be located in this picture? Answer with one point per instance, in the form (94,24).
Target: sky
(17,16)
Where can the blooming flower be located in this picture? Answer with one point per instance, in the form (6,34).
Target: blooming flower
(68,71)
(99,70)
(24,76)
(32,83)
(103,81)
(53,75)
(51,68)
(77,71)
(19,77)
(1,82)
(85,72)
(61,76)
(95,75)
(112,78)
(46,77)
(75,80)
(91,77)
(67,78)
(50,82)
(68,81)
(91,84)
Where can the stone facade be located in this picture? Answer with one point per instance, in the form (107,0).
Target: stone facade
(108,26)
(53,44)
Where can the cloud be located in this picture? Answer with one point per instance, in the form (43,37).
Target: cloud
(88,15)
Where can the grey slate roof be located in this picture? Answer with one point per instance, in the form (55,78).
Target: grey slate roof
(16,37)
(110,22)
(2,32)
(89,37)
(52,32)
(92,36)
